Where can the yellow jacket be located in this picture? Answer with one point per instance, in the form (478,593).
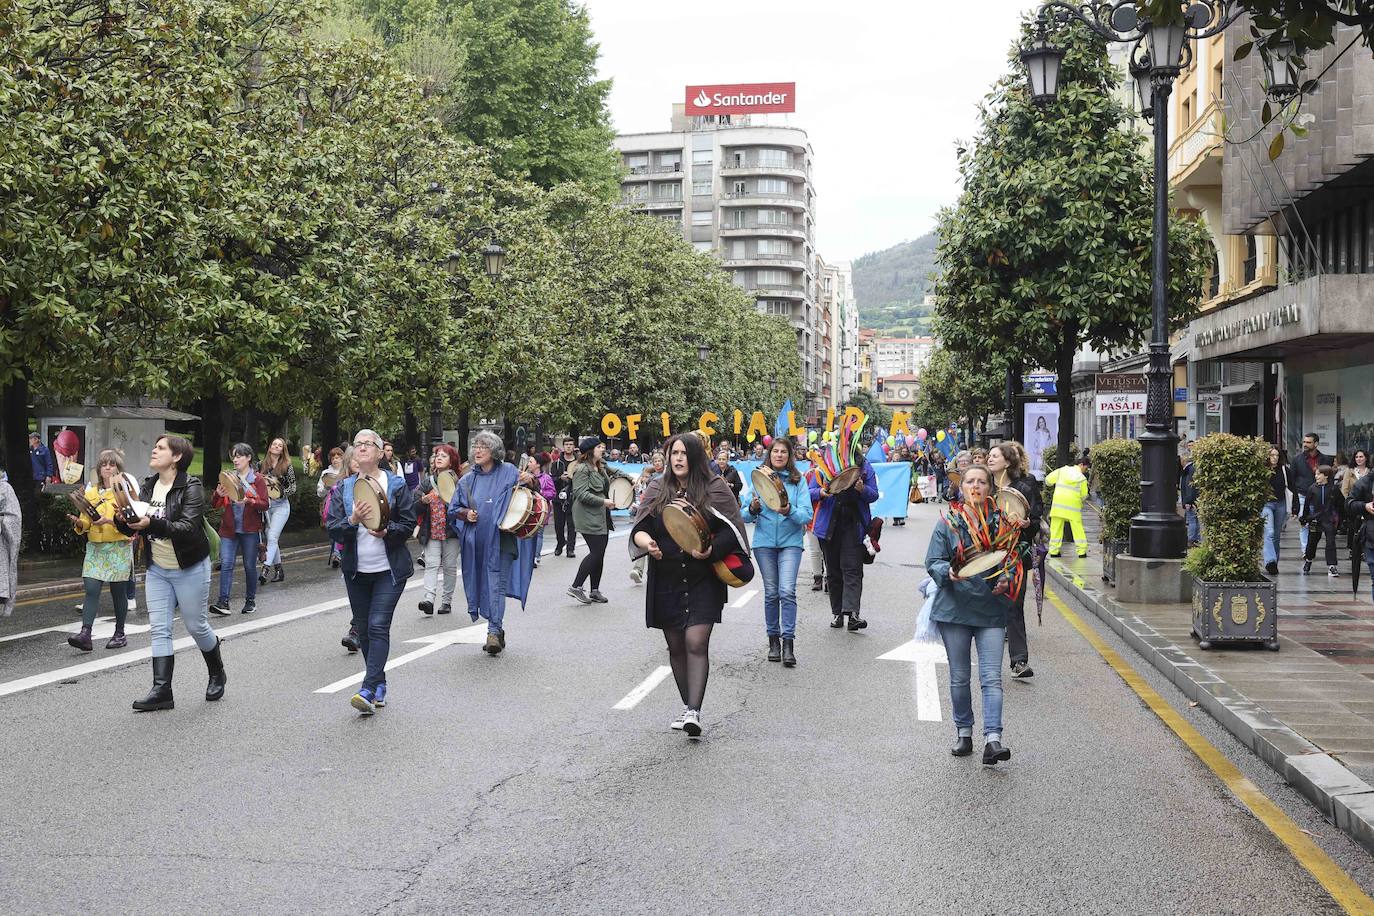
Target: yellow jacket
(104,503)
(1070,489)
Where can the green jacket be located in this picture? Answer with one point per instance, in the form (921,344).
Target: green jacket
(589,494)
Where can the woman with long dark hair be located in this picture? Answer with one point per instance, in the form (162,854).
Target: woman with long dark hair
(1007,462)
(281,486)
(778,551)
(591,485)
(177,554)
(683,595)
(1276,508)
(240,530)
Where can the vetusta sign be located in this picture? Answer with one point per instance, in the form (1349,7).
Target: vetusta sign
(741,98)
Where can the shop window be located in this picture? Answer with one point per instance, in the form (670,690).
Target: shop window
(1251,266)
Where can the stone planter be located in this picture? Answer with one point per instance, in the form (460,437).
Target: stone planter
(1110,549)
(1235,612)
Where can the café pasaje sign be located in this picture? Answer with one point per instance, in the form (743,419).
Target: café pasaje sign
(741,98)
(613,425)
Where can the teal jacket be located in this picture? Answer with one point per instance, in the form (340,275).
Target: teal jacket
(774,530)
(966,601)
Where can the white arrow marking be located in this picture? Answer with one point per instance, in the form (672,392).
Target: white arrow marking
(475,635)
(744,599)
(645,688)
(103,629)
(924,656)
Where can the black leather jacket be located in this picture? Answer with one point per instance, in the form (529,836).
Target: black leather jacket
(183,520)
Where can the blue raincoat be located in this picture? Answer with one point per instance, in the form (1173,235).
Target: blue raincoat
(495,564)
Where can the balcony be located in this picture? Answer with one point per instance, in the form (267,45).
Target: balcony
(783,230)
(777,290)
(752,166)
(1195,156)
(654,203)
(764,199)
(645,172)
(795,262)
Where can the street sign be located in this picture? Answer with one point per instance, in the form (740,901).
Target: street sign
(1181,395)
(1211,404)
(1119,383)
(1116,405)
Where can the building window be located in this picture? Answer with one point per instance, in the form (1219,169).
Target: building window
(637,163)
(1251,260)
(774,157)
(673,218)
(774,246)
(737,219)
(774,278)
(702,246)
(774,217)
(1218,83)
(701,188)
(701,218)
(670,161)
(672,191)
(702,157)
(634,193)
(775,307)
(772,186)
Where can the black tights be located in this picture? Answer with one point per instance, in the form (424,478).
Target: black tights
(594,560)
(689,652)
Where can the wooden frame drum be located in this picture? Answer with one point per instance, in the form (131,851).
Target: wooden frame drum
(446,485)
(367,492)
(687,526)
(985,565)
(770,490)
(232,486)
(845,479)
(621,491)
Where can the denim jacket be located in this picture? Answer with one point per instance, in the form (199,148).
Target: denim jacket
(398,529)
(774,530)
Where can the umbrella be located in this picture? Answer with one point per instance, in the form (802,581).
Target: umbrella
(1354,565)
(1039,568)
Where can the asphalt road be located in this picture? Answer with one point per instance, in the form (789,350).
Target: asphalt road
(512,785)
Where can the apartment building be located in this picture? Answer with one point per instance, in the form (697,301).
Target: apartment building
(901,355)
(1297,258)
(844,334)
(742,189)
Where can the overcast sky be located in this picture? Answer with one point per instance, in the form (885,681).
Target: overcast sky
(884,89)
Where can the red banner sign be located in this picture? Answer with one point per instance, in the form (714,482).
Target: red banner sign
(741,98)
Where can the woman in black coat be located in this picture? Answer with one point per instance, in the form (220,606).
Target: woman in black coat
(1007,462)
(683,596)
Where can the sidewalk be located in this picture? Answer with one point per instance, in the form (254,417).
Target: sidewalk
(40,577)
(1306,710)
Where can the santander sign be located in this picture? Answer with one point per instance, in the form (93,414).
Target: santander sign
(741,98)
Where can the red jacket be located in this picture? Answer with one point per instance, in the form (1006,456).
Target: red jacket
(254,505)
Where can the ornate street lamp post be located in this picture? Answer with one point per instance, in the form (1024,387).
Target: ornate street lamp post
(1161,50)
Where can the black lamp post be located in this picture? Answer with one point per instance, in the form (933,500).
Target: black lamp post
(1161,50)
(493,262)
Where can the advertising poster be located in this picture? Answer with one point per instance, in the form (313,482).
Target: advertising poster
(1041,420)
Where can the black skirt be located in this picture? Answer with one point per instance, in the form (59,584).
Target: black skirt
(682,591)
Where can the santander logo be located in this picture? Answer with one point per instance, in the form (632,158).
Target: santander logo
(741,98)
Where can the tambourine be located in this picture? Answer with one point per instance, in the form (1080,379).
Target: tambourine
(1012,505)
(232,486)
(273,486)
(446,485)
(984,565)
(367,492)
(955,477)
(127,505)
(329,478)
(845,479)
(687,526)
(621,492)
(83,505)
(770,490)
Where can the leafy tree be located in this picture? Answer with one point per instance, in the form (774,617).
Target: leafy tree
(1048,247)
(959,387)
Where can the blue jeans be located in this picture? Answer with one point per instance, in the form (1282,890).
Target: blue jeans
(278,511)
(779,567)
(1194,526)
(1275,519)
(1302,529)
(959,639)
(373,597)
(165,590)
(247,546)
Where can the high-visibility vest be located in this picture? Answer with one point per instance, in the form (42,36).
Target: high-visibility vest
(1070,489)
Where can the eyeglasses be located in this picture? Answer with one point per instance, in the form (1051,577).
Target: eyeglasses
(366,443)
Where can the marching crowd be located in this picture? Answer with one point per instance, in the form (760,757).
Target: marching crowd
(689,543)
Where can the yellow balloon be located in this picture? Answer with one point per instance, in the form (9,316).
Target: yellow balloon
(940,435)
(751,437)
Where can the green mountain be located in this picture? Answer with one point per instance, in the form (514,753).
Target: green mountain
(890,287)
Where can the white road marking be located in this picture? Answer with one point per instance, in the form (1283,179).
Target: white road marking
(474,635)
(103,629)
(924,656)
(185,642)
(645,688)
(744,599)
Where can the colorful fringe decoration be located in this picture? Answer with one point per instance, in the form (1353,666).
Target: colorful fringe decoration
(978,531)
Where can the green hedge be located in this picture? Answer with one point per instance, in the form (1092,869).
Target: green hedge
(1232,477)
(1116,466)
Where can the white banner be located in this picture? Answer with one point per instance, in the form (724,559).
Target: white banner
(1121,404)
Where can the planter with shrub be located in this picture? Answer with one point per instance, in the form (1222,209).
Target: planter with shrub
(1232,600)
(1116,470)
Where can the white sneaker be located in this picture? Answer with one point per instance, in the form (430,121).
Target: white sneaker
(636,575)
(1331,572)
(691,723)
(681,718)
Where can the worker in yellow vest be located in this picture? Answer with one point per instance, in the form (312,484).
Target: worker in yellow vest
(1070,489)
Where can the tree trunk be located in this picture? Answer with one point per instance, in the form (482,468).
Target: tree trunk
(464,421)
(412,435)
(215,416)
(1064,369)
(251,426)
(329,423)
(14,440)
(306,430)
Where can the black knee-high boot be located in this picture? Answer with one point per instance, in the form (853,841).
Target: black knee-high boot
(160,697)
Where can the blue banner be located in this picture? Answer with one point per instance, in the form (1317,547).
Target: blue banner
(894,484)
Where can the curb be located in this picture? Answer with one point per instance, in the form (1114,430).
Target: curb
(66,586)
(1343,798)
